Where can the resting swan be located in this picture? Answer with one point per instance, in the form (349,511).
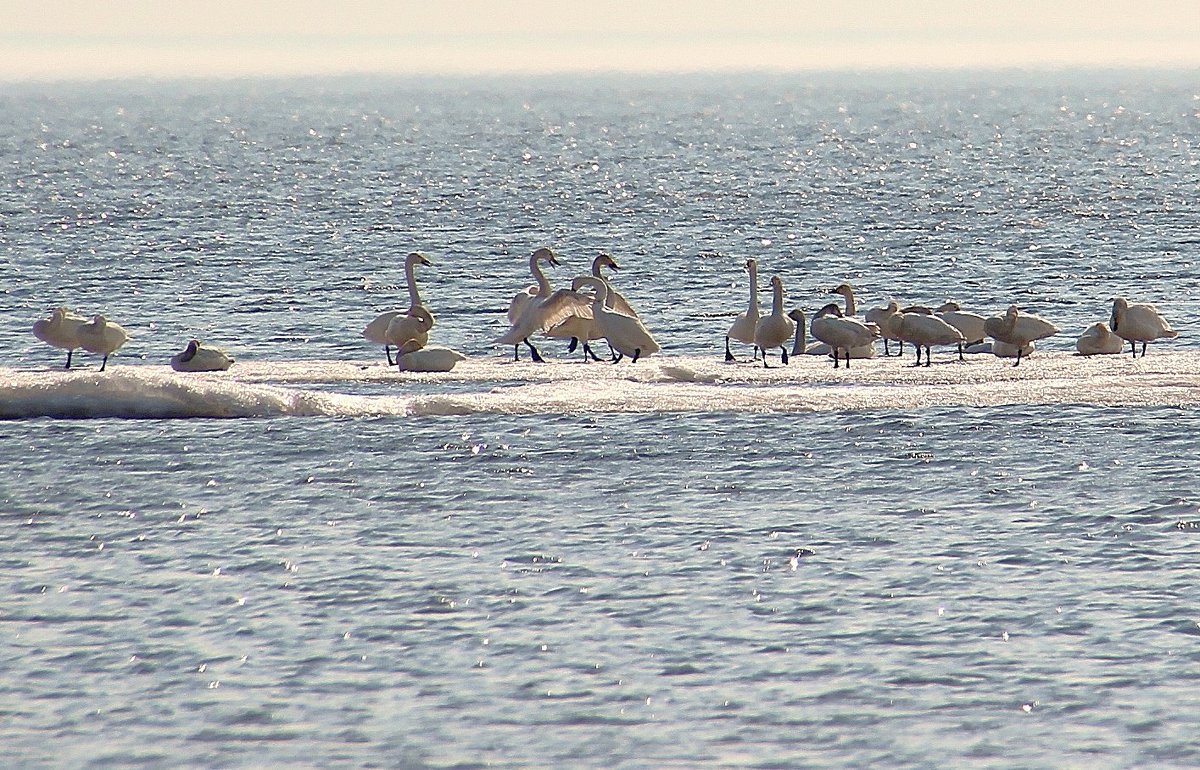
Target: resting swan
(101,337)
(775,329)
(579,328)
(880,316)
(841,334)
(625,333)
(924,330)
(409,332)
(1139,323)
(429,360)
(859,351)
(1018,330)
(744,325)
(1098,340)
(970,324)
(376,331)
(195,358)
(60,330)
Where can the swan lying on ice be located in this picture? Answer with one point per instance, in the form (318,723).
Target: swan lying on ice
(1098,340)
(195,358)
(429,360)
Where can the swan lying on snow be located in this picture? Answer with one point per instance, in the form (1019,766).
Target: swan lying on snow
(195,358)
(429,360)
(1018,330)
(1098,340)
(376,331)
(775,329)
(1139,323)
(60,330)
(102,338)
(744,325)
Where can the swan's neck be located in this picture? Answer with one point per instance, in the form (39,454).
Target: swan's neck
(596,267)
(777,300)
(851,308)
(410,275)
(540,277)
(801,343)
(754,288)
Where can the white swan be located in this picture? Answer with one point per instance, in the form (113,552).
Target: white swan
(429,360)
(531,310)
(376,331)
(1004,350)
(101,337)
(841,333)
(626,334)
(1098,340)
(60,330)
(195,358)
(800,343)
(773,330)
(881,316)
(925,331)
(744,325)
(1018,329)
(1139,322)
(970,324)
(409,332)
(582,328)
(860,351)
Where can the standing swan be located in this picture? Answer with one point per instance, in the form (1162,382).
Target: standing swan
(1139,323)
(881,317)
(841,334)
(579,328)
(409,332)
(195,358)
(744,325)
(859,351)
(60,330)
(1018,330)
(524,300)
(625,333)
(1098,340)
(101,337)
(970,324)
(924,331)
(376,331)
(775,329)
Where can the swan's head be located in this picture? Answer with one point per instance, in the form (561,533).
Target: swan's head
(604,260)
(777,283)
(546,255)
(1012,312)
(416,258)
(830,309)
(949,306)
(99,320)
(752,265)
(422,315)
(1120,305)
(796,315)
(844,289)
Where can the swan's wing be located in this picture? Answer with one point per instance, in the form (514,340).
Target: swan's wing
(616,301)
(543,315)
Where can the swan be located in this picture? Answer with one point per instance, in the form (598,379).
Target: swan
(1004,350)
(800,343)
(773,330)
(429,360)
(970,324)
(195,358)
(744,325)
(1018,330)
(1139,322)
(841,333)
(101,337)
(1098,340)
(60,330)
(880,316)
(409,332)
(924,331)
(626,334)
(861,351)
(532,310)
(579,327)
(376,331)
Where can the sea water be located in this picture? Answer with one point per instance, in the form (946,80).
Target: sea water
(674,563)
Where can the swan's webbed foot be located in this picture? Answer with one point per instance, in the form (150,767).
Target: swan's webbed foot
(728,353)
(533,352)
(587,351)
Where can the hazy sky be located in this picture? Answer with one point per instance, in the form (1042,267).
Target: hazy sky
(106,38)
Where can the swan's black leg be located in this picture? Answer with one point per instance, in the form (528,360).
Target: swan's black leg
(537,357)
(1143,350)
(574,344)
(929,356)
(837,362)
(918,347)
(756,353)
(783,357)
(960,355)
(69,352)
(587,351)
(617,356)
(847,358)
(1133,348)
(1018,363)
(104,363)
(637,353)
(387,351)
(517,352)
(885,347)
(728,354)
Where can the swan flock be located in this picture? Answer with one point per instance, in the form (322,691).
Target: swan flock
(593,309)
